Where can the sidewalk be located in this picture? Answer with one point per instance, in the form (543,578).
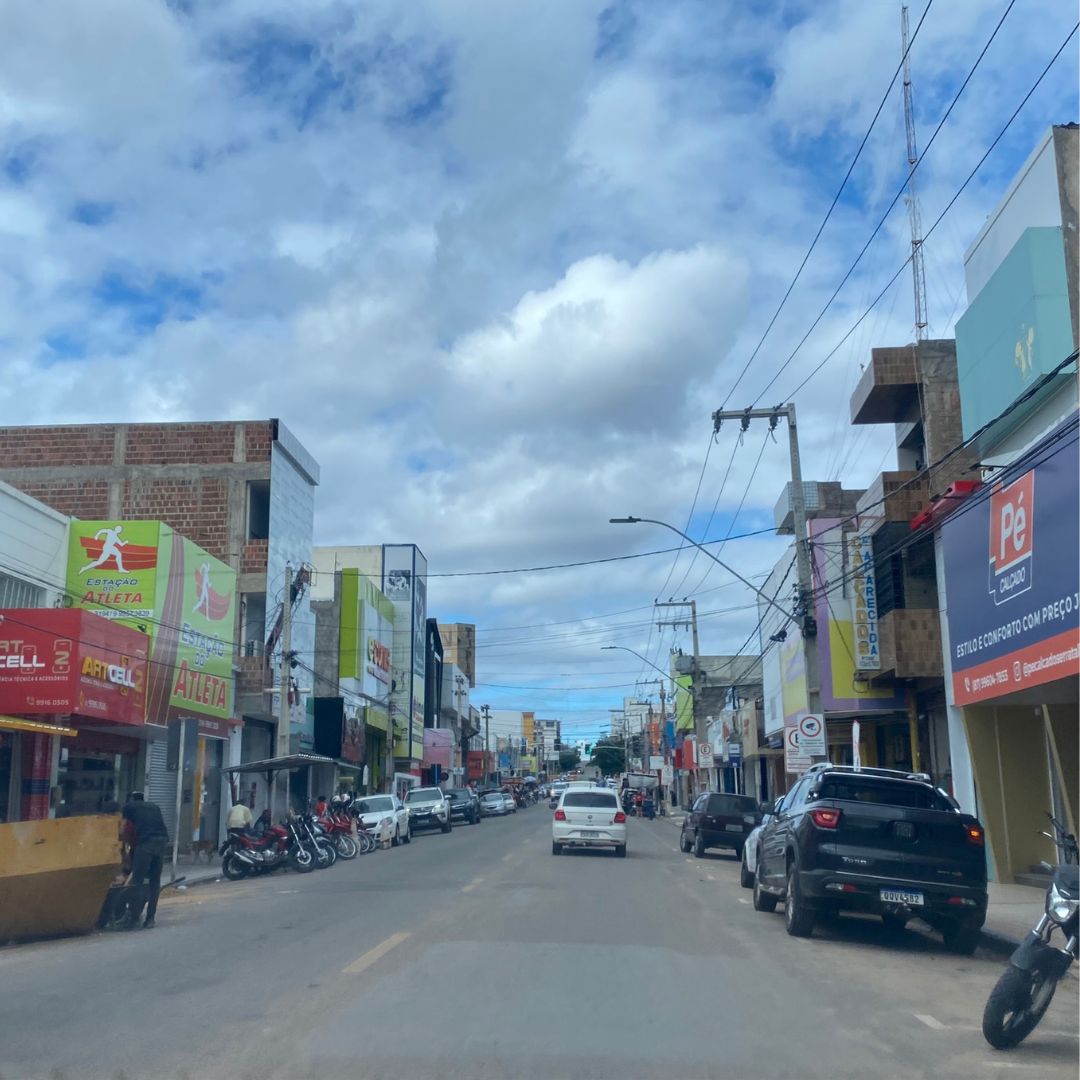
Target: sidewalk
(1012,910)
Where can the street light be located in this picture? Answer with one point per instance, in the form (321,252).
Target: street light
(666,674)
(749,584)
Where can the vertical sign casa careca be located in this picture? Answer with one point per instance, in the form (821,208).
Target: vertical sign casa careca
(145,575)
(864,610)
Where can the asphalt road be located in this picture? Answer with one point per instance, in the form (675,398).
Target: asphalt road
(480,955)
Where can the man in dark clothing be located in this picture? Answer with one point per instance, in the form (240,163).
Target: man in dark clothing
(151,839)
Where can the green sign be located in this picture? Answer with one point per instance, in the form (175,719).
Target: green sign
(145,575)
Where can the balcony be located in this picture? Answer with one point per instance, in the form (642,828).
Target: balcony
(910,645)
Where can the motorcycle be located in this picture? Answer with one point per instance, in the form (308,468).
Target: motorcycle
(246,853)
(315,838)
(337,826)
(1026,987)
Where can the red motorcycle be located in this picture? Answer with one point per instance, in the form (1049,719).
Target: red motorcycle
(245,853)
(337,825)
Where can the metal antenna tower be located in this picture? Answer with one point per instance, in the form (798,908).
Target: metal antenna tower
(914,218)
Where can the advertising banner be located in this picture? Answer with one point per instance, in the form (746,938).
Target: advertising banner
(56,661)
(144,575)
(863,600)
(404,584)
(366,636)
(1011,576)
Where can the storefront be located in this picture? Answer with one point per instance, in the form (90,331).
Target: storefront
(1013,658)
(73,696)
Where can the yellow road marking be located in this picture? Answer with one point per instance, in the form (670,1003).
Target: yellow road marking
(373,956)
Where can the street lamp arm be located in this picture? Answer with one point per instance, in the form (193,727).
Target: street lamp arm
(624,648)
(705,551)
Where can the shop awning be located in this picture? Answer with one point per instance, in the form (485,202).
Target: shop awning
(281,764)
(16,723)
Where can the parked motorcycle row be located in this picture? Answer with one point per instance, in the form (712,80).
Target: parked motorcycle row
(301,842)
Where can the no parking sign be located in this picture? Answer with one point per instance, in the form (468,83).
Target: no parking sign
(811,728)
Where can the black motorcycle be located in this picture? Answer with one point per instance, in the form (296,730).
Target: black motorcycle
(1026,987)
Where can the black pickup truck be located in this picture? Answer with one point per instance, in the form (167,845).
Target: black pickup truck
(878,841)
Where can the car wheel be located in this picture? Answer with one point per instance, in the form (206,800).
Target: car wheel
(620,851)
(555,848)
(798,914)
(395,840)
(684,844)
(738,851)
(763,901)
(699,846)
(447,827)
(746,879)
(961,937)
(408,833)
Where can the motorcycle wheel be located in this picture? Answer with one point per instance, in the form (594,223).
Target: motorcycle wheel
(347,847)
(233,868)
(329,853)
(366,842)
(302,861)
(1015,1006)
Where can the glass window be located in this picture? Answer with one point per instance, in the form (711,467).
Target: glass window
(376,804)
(913,796)
(596,799)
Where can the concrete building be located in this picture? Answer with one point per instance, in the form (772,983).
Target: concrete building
(1007,554)
(242,490)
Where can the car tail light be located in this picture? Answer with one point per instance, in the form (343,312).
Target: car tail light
(825,817)
(620,818)
(975,835)
(961,901)
(560,815)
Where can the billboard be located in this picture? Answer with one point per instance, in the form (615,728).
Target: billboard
(366,636)
(404,584)
(863,601)
(70,662)
(144,575)
(1011,576)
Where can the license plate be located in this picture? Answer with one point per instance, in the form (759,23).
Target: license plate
(733,828)
(589,832)
(902,896)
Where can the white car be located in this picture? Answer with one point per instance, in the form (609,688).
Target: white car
(591,818)
(374,808)
(750,854)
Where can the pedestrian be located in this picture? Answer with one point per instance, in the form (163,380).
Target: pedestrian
(151,838)
(239,818)
(320,806)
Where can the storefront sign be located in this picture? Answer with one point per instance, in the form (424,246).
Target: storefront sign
(144,575)
(1011,577)
(67,661)
(864,614)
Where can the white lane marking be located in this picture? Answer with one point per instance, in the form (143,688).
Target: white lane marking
(508,856)
(472,884)
(743,900)
(710,877)
(930,1021)
(1015,1065)
(374,955)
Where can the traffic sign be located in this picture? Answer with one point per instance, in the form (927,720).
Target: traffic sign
(811,729)
(705,755)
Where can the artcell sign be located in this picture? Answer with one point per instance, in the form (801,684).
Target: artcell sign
(144,575)
(1011,575)
(72,663)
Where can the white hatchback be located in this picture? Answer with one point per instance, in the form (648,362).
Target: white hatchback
(588,817)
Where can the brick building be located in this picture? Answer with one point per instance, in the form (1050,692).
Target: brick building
(243,490)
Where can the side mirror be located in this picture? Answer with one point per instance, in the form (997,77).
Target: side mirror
(776,805)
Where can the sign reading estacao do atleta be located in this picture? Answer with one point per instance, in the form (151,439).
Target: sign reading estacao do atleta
(146,575)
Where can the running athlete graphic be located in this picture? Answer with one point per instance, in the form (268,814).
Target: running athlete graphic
(110,549)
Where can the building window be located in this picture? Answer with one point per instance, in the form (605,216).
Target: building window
(16,593)
(258,509)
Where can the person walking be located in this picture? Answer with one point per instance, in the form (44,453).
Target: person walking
(151,839)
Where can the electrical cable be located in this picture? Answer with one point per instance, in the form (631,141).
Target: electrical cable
(832,206)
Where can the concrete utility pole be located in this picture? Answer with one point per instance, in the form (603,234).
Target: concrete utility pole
(281,738)
(802,539)
(486,710)
(700,734)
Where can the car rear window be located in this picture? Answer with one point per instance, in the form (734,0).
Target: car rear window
(599,799)
(882,793)
(731,804)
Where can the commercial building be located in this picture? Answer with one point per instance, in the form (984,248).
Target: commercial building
(1008,571)
(242,491)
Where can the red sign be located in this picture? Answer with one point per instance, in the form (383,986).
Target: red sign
(72,662)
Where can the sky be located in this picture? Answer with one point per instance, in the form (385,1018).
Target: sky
(496,264)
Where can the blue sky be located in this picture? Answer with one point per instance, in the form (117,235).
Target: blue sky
(496,264)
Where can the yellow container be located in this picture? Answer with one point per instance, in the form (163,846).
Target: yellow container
(54,875)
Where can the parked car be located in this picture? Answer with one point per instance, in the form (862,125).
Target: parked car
(464,806)
(373,808)
(590,818)
(556,792)
(492,804)
(878,841)
(511,803)
(428,809)
(749,853)
(718,820)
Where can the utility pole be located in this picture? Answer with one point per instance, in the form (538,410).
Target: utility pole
(802,539)
(700,735)
(285,677)
(486,710)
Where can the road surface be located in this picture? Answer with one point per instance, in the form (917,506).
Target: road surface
(480,955)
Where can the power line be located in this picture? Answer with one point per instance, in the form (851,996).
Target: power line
(832,207)
(889,209)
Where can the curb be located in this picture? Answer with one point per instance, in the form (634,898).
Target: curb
(998,943)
